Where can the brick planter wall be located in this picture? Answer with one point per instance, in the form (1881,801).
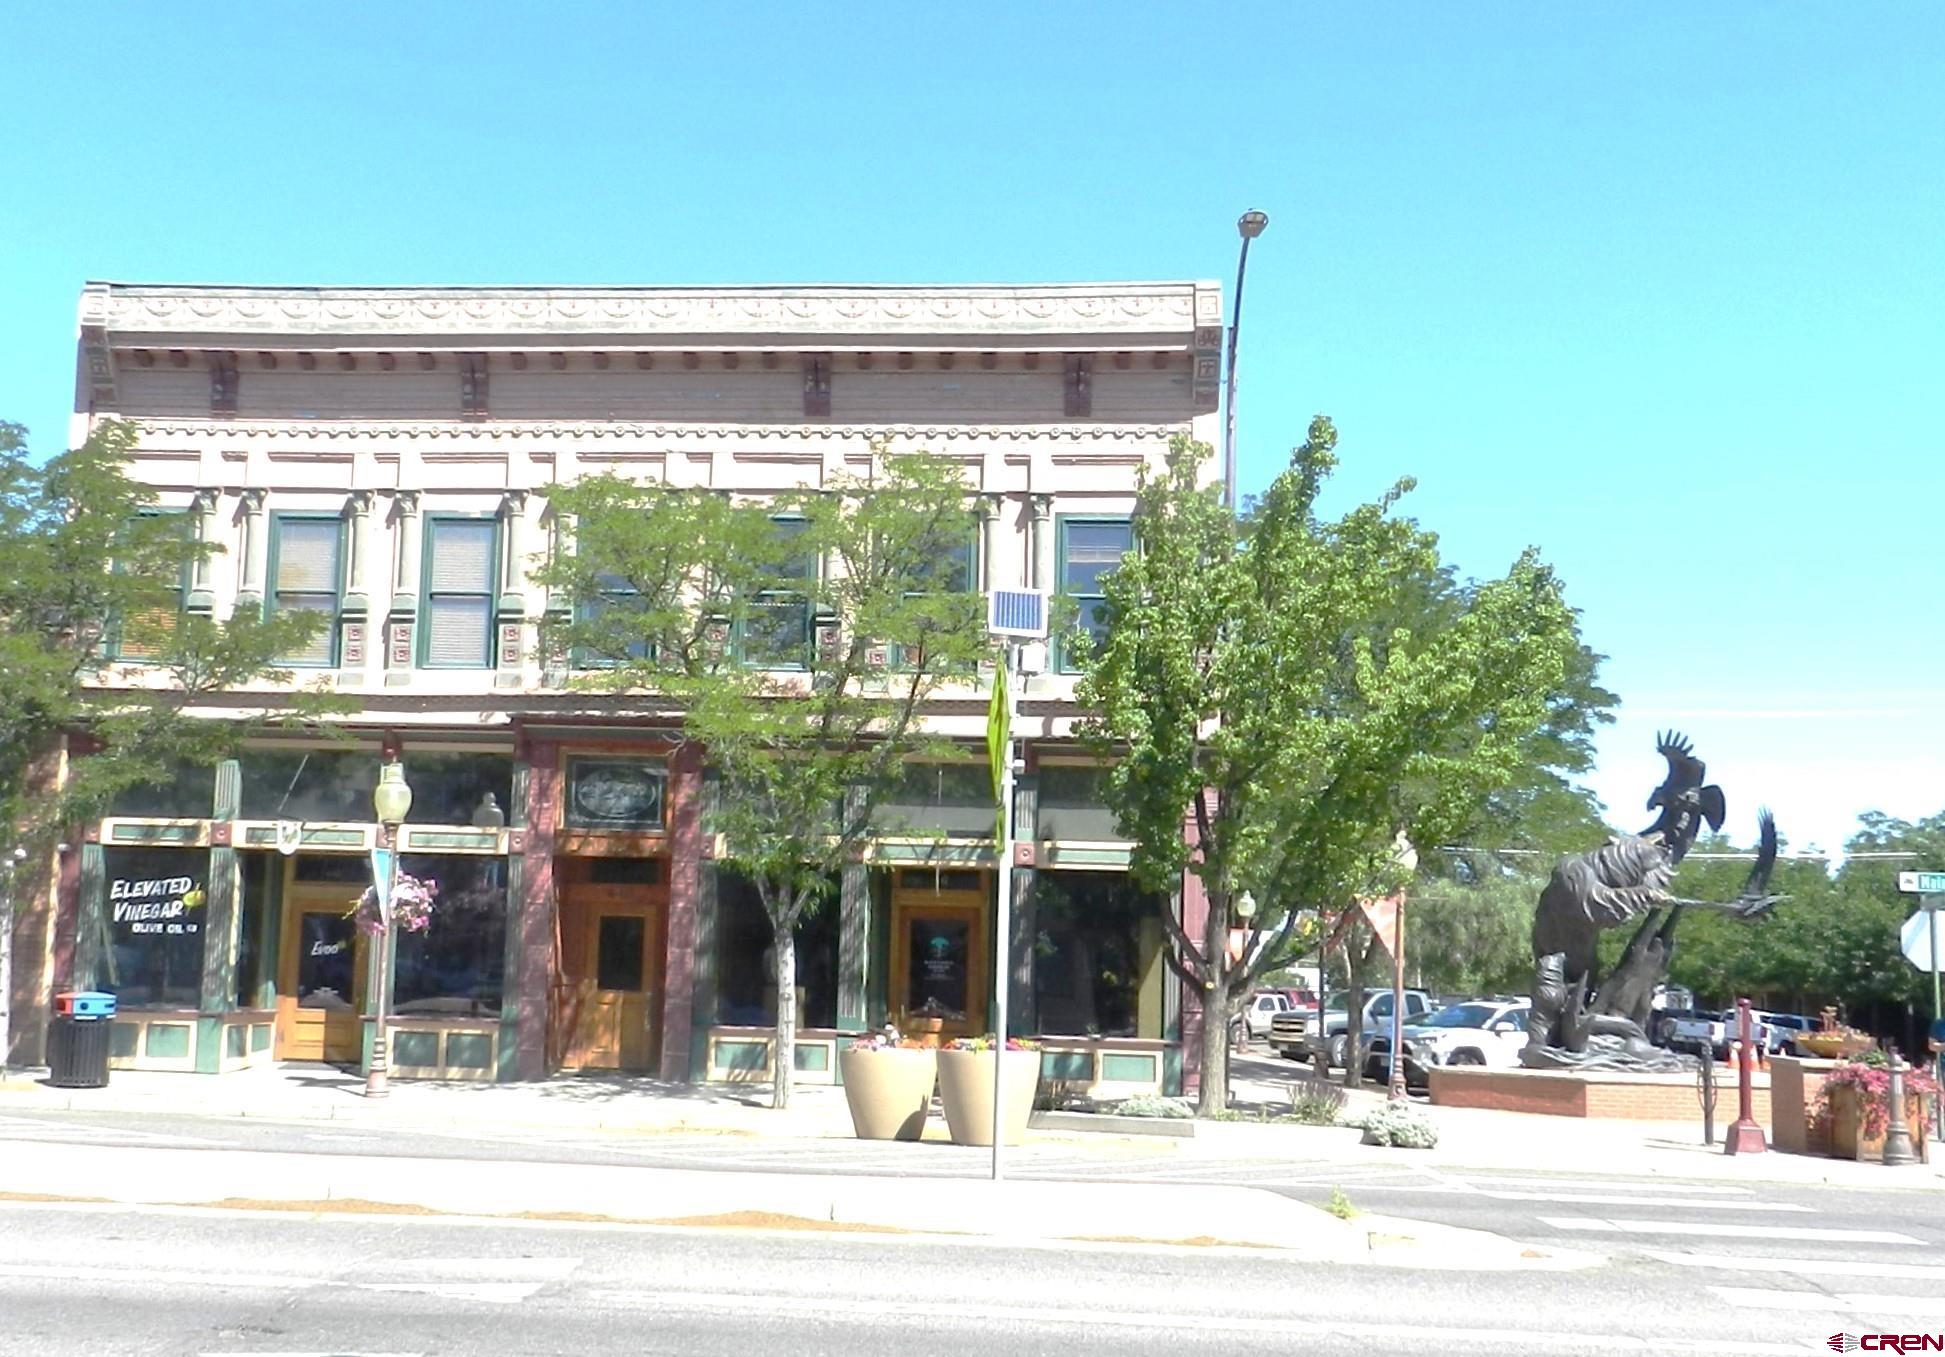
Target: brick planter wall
(1605,1094)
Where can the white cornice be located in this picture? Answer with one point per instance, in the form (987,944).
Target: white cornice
(487,432)
(360,313)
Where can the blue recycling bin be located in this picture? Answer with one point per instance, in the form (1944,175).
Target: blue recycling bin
(78,1038)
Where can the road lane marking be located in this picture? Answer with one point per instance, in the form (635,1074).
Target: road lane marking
(482,1269)
(490,1293)
(1725,1231)
(1903,1307)
(1594,1199)
(1807,1267)
(243,1281)
(1437,1337)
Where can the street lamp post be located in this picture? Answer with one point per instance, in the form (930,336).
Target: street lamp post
(391,801)
(1249,226)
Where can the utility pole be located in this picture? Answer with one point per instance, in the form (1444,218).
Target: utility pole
(1249,226)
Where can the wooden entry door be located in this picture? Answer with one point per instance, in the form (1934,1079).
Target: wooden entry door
(609,999)
(320,978)
(938,951)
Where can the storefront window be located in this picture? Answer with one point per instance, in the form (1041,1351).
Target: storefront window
(1072,806)
(1088,955)
(184,792)
(746,985)
(308,784)
(953,799)
(455,967)
(448,789)
(154,917)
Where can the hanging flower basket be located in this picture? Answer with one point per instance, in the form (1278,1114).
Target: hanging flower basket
(411,906)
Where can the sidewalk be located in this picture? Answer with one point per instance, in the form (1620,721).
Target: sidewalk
(1469,1138)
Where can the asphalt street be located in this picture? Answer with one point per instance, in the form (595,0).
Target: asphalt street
(115,1280)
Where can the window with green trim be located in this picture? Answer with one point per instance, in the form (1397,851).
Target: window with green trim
(307,575)
(462,559)
(955,570)
(156,623)
(1090,548)
(776,629)
(605,625)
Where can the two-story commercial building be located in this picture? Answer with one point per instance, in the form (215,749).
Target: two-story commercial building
(379,456)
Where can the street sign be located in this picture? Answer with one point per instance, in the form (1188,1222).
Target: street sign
(1922,883)
(1916,939)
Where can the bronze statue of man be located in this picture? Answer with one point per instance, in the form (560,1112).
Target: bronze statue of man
(1625,879)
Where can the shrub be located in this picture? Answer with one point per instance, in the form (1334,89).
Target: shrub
(1399,1125)
(1339,1205)
(1154,1105)
(1314,1102)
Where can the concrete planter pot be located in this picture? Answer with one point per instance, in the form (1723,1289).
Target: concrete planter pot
(889,1092)
(966,1091)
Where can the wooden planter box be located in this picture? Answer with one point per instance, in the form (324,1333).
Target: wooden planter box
(889,1092)
(966,1092)
(1846,1127)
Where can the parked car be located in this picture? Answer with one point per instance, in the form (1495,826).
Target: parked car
(1263,1006)
(1298,1036)
(1486,1032)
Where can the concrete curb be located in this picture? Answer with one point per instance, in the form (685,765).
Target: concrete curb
(1025,1211)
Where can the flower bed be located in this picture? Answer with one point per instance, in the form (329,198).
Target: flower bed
(1854,1106)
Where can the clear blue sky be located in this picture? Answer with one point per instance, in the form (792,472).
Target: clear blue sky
(1656,287)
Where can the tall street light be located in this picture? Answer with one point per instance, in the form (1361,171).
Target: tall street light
(1249,226)
(391,802)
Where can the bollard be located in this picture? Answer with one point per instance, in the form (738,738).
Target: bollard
(1746,1136)
(1897,1134)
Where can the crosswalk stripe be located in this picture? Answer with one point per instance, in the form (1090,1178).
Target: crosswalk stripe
(1807,1267)
(1904,1307)
(1727,1231)
(1606,1185)
(1595,1199)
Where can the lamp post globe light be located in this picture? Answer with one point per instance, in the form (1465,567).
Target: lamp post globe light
(391,802)
(1249,226)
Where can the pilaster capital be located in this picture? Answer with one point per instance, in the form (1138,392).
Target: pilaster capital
(990,505)
(254,501)
(1042,507)
(405,503)
(360,502)
(513,504)
(206,501)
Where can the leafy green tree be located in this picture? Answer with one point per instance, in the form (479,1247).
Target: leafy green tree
(1475,936)
(1273,686)
(797,641)
(95,641)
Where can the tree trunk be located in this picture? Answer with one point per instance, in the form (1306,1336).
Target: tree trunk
(785,1072)
(6,965)
(1214,1094)
(1356,956)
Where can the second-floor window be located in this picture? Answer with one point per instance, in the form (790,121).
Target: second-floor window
(461,570)
(776,630)
(308,576)
(613,635)
(145,636)
(1090,548)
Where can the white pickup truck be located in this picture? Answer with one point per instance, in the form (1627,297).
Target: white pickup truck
(1712,1032)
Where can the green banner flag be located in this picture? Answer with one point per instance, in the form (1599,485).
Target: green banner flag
(999,741)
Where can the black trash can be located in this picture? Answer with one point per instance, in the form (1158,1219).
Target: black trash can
(77,1040)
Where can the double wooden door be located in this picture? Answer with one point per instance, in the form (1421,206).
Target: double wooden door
(608,993)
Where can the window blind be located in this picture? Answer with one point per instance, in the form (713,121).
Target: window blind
(462,557)
(307,555)
(458,632)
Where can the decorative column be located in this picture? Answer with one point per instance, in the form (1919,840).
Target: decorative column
(355,614)
(703,986)
(685,884)
(512,630)
(515,906)
(1025,912)
(222,920)
(991,508)
(256,551)
(853,938)
(1043,542)
(531,941)
(202,590)
(405,588)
